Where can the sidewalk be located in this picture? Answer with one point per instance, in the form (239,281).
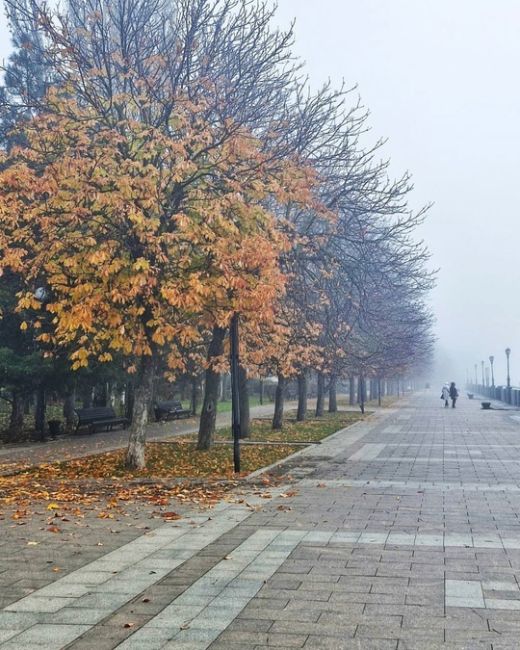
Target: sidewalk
(400,532)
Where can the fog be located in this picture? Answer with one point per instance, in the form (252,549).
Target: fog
(441,81)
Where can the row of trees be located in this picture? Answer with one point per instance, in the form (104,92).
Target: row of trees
(166,166)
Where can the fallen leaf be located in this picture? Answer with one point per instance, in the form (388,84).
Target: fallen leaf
(170,516)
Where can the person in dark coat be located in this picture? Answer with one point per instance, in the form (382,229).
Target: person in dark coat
(454,393)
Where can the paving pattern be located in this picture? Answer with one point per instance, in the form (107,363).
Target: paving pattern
(400,532)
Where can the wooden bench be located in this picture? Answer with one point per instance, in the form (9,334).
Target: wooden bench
(172,409)
(99,416)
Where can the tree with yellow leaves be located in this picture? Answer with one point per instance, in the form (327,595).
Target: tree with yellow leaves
(143,238)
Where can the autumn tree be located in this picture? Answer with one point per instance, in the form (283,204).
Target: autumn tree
(140,236)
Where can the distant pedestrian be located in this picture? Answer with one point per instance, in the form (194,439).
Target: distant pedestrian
(445,395)
(454,393)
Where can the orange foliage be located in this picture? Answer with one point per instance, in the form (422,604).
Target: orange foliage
(145,237)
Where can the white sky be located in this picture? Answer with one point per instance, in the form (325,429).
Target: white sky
(440,78)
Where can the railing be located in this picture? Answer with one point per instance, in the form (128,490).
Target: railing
(509,395)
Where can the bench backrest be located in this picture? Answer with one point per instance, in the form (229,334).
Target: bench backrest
(95,413)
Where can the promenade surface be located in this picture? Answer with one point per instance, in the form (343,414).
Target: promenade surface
(400,532)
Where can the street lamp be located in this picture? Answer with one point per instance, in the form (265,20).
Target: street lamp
(476,377)
(491,360)
(235,400)
(483,380)
(508,352)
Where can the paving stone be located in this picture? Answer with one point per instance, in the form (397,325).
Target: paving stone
(375,544)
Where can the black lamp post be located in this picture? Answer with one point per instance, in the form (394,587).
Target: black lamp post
(508,352)
(483,380)
(476,377)
(235,397)
(491,360)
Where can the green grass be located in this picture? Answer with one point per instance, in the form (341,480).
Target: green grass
(388,400)
(311,430)
(225,407)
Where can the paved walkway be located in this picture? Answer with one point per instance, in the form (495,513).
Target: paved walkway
(400,532)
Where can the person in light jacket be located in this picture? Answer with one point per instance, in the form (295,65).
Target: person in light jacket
(445,395)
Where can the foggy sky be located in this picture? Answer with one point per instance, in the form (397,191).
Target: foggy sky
(440,78)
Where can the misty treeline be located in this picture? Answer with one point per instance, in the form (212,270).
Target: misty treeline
(165,165)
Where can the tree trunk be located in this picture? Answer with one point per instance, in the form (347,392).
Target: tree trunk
(245,416)
(15,428)
(69,404)
(211,392)
(279,403)
(39,414)
(261,389)
(362,394)
(379,391)
(301,413)
(135,453)
(333,398)
(320,397)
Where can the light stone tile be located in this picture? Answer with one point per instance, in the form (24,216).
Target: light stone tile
(464,591)
(511,543)
(500,603)
(50,636)
(464,602)
(35,603)
(344,538)
(318,537)
(5,635)
(368,451)
(458,539)
(487,541)
(372,538)
(405,539)
(500,585)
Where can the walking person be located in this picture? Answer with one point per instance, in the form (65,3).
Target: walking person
(445,395)
(454,393)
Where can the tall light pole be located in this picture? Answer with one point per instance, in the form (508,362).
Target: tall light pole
(483,380)
(476,377)
(508,352)
(491,360)
(235,400)
(487,377)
